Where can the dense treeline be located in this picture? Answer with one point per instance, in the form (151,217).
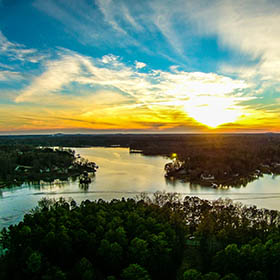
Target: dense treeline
(94,241)
(229,160)
(162,238)
(21,163)
(233,159)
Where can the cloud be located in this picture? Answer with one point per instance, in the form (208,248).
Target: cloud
(139,64)
(79,87)
(109,14)
(10,75)
(58,73)
(113,90)
(130,18)
(110,59)
(92,23)
(248,27)
(5,66)
(114,23)
(17,51)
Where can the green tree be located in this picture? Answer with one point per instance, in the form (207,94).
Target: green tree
(34,262)
(230,276)
(138,251)
(135,272)
(84,270)
(256,275)
(211,276)
(192,274)
(54,273)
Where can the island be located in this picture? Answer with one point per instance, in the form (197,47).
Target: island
(27,163)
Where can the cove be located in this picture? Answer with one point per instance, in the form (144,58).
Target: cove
(124,174)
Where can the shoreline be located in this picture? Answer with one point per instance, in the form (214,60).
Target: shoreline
(225,182)
(44,164)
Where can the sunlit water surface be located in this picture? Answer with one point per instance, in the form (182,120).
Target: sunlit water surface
(122,174)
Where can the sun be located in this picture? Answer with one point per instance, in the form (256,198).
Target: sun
(213,111)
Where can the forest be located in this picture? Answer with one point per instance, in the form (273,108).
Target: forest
(227,159)
(24,163)
(159,237)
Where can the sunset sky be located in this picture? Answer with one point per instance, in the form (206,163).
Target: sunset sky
(104,66)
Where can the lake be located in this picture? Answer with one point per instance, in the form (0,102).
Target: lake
(122,174)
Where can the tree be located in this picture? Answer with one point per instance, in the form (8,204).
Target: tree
(138,251)
(84,270)
(54,273)
(256,275)
(211,276)
(34,262)
(192,274)
(135,272)
(230,276)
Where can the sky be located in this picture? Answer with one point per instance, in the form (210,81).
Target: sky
(124,66)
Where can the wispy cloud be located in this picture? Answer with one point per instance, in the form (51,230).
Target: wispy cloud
(77,20)
(92,24)
(140,65)
(109,14)
(118,23)
(111,72)
(113,89)
(120,90)
(248,27)
(5,66)
(16,51)
(130,18)
(58,74)
(10,75)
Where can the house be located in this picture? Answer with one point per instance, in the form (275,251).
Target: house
(23,168)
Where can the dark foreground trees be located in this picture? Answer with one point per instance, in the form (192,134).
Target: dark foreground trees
(162,238)
(98,240)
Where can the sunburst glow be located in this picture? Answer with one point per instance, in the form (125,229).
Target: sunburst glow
(106,74)
(213,111)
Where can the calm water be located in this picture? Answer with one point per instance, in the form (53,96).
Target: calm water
(121,174)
